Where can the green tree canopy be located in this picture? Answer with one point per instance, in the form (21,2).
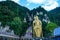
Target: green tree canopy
(13,15)
(51,26)
(16,25)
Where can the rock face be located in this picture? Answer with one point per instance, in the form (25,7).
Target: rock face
(37,27)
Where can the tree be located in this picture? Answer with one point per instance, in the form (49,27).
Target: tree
(19,26)
(13,14)
(50,27)
(16,25)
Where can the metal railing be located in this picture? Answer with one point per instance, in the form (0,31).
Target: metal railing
(47,38)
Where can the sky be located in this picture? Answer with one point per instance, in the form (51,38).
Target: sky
(31,4)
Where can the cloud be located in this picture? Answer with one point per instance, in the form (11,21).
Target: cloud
(2,0)
(46,4)
(50,5)
(27,4)
(36,1)
(17,1)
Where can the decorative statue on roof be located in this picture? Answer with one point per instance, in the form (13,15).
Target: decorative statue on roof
(37,27)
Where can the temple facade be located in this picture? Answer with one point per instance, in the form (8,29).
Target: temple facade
(7,34)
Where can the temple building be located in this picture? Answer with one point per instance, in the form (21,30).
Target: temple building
(7,34)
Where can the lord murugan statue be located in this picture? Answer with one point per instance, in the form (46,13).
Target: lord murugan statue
(37,27)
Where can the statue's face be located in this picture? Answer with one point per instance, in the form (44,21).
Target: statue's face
(36,18)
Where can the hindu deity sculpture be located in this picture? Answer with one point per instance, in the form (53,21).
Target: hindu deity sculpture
(37,27)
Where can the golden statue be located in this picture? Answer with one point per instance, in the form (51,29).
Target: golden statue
(37,27)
